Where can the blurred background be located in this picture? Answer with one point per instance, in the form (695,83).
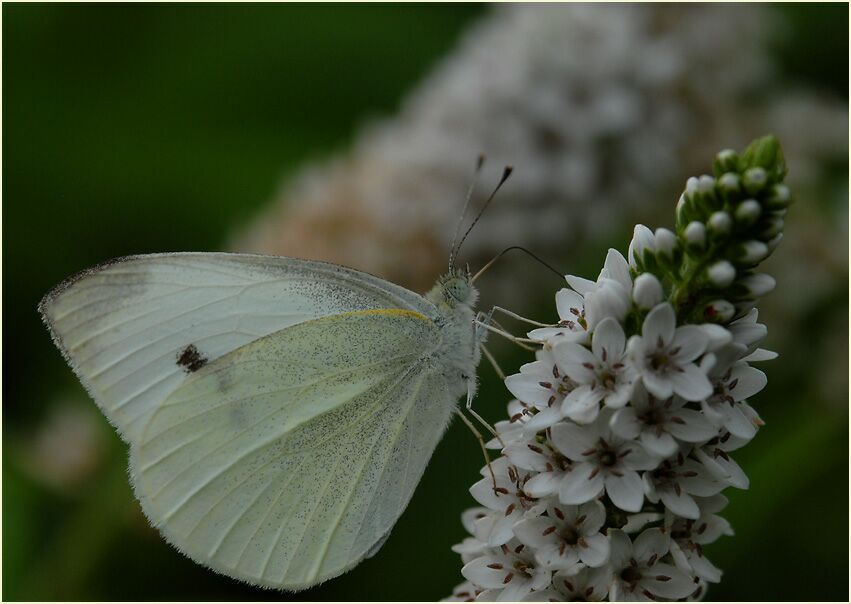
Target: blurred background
(349,133)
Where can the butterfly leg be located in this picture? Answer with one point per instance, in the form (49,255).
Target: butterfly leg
(522,342)
(479,438)
(493,362)
(514,315)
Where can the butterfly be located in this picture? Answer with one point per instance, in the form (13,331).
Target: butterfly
(279,412)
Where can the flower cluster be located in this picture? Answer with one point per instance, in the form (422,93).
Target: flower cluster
(618,441)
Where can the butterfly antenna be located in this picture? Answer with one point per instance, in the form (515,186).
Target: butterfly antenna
(506,172)
(519,248)
(480,161)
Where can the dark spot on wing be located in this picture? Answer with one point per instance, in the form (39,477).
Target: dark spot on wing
(190,359)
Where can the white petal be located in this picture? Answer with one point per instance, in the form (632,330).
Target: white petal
(503,528)
(661,444)
(580,401)
(572,440)
(626,491)
(690,383)
(579,486)
(659,386)
(748,381)
(581,285)
(478,573)
(638,457)
(689,343)
(609,337)
(760,354)
(681,505)
(543,419)
(617,268)
(690,426)
(738,423)
(659,325)
(576,361)
(704,569)
(530,531)
(528,389)
(620,549)
(521,455)
(543,484)
(597,552)
(595,516)
(567,301)
(678,585)
(652,542)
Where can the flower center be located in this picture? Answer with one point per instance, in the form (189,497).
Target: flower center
(607,378)
(570,535)
(659,361)
(608,458)
(631,575)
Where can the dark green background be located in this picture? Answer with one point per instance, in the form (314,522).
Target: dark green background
(143,128)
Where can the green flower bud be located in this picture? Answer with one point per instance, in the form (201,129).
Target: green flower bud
(755,180)
(720,223)
(726,161)
(752,252)
(719,311)
(695,234)
(721,274)
(748,212)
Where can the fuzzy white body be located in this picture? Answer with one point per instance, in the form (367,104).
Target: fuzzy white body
(279,412)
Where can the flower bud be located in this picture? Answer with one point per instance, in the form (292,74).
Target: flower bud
(706,184)
(754,180)
(753,251)
(691,186)
(748,211)
(758,284)
(730,183)
(719,311)
(717,335)
(774,226)
(774,242)
(780,197)
(695,234)
(720,223)
(666,242)
(721,274)
(647,291)
(642,239)
(726,161)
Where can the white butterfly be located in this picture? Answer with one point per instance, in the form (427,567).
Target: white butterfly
(279,412)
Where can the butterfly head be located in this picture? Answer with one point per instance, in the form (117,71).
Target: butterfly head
(454,289)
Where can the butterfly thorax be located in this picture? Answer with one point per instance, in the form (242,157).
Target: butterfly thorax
(459,354)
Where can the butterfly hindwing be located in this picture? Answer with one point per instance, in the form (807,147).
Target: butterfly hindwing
(285,461)
(134,329)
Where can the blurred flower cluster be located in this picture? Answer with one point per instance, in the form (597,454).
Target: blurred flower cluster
(570,94)
(620,436)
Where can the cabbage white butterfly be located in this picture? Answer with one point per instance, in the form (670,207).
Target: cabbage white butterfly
(279,412)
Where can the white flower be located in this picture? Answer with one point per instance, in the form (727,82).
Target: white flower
(666,242)
(689,536)
(572,324)
(664,356)
(602,462)
(542,385)
(540,457)
(676,480)
(608,299)
(733,383)
(510,569)
(714,456)
(600,374)
(476,521)
(507,499)
(588,585)
(660,424)
(637,574)
(513,428)
(568,537)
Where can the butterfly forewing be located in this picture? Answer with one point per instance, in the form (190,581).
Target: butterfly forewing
(285,461)
(134,329)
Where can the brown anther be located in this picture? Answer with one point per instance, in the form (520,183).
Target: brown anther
(559,514)
(594,473)
(605,355)
(501,491)
(519,548)
(551,400)
(508,578)
(663,578)
(678,420)
(581,519)
(495,566)
(549,530)
(677,489)
(732,384)
(652,560)
(617,366)
(701,528)
(690,474)
(510,509)
(649,595)
(546,384)
(582,543)
(535,448)
(556,374)
(590,451)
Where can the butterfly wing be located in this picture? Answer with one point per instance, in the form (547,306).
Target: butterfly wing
(135,328)
(287,461)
